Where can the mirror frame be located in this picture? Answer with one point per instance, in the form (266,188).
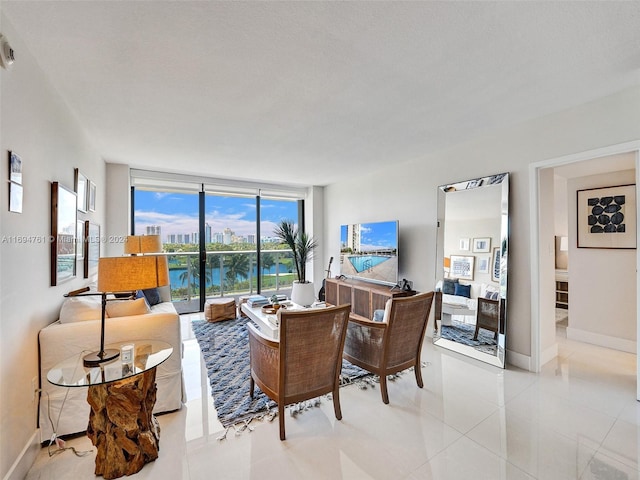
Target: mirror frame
(63,233)
(502,179)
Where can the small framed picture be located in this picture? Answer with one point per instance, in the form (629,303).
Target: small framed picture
(15,168)
(464,244)
(495,265)
(92,196)
(482,245)
(80,245)
(461,267)
(81,190)
(483,264)
(15,197)
(91,248)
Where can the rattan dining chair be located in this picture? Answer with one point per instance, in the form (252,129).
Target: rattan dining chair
(393,345)
(305,363)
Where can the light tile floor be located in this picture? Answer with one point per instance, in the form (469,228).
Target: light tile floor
(578,419)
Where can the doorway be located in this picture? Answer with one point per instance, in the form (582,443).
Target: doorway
(543,282)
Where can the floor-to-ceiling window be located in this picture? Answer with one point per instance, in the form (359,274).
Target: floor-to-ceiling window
(219,239)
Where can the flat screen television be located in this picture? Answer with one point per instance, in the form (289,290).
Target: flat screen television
(369,251)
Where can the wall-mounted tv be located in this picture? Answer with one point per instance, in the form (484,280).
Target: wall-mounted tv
(369,251)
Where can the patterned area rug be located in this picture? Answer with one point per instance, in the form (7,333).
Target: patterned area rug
(463,333)
(225,348)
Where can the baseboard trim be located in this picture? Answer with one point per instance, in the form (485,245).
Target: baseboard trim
(616,343)
(548,354)
(519,360)
(25,460)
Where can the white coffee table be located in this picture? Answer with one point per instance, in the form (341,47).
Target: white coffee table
(268,323)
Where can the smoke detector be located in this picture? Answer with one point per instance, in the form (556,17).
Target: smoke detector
(6,53)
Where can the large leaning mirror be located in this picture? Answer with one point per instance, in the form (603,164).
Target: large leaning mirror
(471,268)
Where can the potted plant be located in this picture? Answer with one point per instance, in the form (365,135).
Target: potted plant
(302,246)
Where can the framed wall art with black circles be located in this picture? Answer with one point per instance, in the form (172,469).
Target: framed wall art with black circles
(607,217)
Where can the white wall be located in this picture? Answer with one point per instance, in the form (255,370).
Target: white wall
(36,124)
(547,302)
(407,189)
(602,282)
(117,209)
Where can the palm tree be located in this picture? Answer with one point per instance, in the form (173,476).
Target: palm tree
(268,261)
(191,276)
(236,265)
(213,261)
(300,243)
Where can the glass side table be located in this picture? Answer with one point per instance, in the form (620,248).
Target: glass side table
(122,394)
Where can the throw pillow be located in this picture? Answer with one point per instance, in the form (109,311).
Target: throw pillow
(78,309)
(153,296)
(127,308)
(462,290)
(449,286)
(491,295)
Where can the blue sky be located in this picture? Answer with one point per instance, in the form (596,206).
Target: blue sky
(178,213)
(375,235)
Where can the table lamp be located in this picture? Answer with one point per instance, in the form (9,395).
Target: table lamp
(127,274)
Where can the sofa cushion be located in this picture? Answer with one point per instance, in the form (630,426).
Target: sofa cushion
(449,286)
(152,295)
(79,309)
(462,290)
(127,308)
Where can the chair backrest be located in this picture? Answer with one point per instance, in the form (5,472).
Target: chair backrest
(407,325)
(311,344)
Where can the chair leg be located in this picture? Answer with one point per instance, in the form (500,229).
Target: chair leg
(251,387)
(336,403)
(418,372)
(281,420)
(475,335)
(383,388)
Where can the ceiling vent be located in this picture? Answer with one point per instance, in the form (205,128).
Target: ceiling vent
(6,53)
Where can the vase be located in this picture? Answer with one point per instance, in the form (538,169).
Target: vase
(303,293)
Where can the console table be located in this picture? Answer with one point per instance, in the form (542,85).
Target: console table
(364,297)
(121,423)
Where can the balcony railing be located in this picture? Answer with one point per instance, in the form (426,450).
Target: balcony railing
(228,273)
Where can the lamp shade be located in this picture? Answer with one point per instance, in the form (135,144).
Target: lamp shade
(125,274)
(135,244)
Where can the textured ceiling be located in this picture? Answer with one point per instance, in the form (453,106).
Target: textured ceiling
(312,92)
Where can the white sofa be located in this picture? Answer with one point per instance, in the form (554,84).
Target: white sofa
(461,305)
(78,331)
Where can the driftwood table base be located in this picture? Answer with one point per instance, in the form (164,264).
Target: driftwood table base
(122,426)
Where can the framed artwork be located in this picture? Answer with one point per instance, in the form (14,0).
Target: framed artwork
(80,246)
(15,197)
(91,248)
(495,265)
(607,217)
(63,233)
(464,244)
(81,190)
(15,168)
(482,245)
(483,264)
(461,267)
(92,196)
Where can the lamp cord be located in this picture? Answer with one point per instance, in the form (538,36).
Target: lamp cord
(60,444)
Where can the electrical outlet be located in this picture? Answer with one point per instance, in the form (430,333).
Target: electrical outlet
(34,388)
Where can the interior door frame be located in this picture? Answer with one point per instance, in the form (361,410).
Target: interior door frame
(534,193)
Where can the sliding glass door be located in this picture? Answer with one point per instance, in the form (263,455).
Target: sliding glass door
(218,244)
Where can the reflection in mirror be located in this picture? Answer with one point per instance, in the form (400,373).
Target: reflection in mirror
(471,272)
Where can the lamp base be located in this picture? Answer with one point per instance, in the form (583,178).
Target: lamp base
(96,358)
